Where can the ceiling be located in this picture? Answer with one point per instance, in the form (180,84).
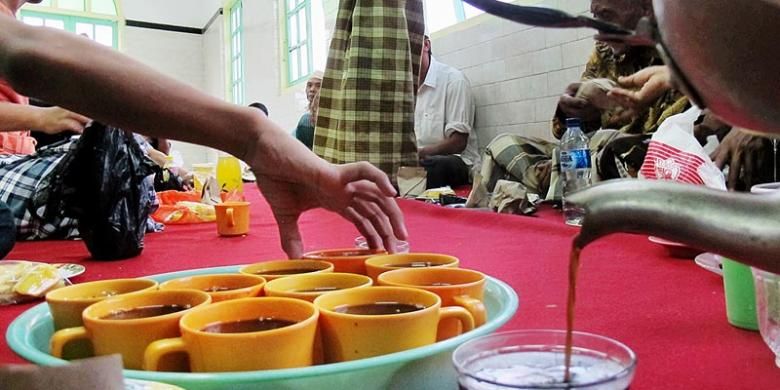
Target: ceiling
(188,13)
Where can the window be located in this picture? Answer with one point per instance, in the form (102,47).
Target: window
(97,20)
(440,14)
(298,23)
(236,53)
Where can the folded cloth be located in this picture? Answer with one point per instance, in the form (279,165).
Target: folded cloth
(511,197)
(366,110)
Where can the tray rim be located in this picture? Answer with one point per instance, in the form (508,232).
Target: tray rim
(17,331)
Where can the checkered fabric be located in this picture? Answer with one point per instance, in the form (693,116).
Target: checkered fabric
(23,178)
(367,99)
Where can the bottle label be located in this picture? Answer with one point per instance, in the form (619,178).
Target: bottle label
(575,159)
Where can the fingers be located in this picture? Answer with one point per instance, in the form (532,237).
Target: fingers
(292,244)
(749,162)
(573,102)
(735,168)
(364,226)
(364,171)
(625,97)
(388,207)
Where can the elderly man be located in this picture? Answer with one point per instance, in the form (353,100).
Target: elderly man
(620,148)
(444,123)
(304,132)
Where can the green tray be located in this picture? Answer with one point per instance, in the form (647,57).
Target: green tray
(428,367)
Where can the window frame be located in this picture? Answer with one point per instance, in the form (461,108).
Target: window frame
(71,17)
(236,81)
(307,69)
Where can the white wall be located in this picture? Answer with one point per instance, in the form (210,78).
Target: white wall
(179,55)
(517,72)
(264,61)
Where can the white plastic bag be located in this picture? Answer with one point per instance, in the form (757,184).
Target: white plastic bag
(675,154)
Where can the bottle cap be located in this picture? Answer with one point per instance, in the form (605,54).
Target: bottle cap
(573,122)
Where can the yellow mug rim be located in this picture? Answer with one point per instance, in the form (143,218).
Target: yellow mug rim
(443,270)
(88,317)
(374,317)
(54,295)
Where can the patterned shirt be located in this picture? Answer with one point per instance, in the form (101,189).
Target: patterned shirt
(604,64)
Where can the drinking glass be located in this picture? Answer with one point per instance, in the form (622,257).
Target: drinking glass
(768,309)
(534,359)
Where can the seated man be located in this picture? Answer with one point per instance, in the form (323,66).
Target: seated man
(304,132)
(620,142)
(444,123)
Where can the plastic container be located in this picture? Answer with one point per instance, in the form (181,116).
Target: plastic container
(575,168)
(740,295)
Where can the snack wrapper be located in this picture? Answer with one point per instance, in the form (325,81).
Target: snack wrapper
(674,154)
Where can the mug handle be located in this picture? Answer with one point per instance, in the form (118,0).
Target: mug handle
(63,337)
(459,313)
(158,349)
(231,222)
(474,306)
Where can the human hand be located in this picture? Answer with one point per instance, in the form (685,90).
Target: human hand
(710,125)
(575,107)
(359,192)
(423,153)
(741,151)
(53,120)
(642,88)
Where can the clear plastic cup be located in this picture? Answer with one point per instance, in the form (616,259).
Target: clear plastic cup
(768,309)
(402,246)
(534,359)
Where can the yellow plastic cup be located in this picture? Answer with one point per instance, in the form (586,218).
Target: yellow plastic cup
(455,286)
(286,347)
(221,287)
(348,336)
(310,286)
(376,265)
(130,337)
(276,269)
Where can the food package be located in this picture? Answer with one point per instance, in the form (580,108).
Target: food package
(178,208)
(675,154)
(22,281)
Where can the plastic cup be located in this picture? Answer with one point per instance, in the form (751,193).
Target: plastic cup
(768,309)
(740,295)
(402,246)
(534,359)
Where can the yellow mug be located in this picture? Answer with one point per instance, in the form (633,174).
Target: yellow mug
(221,287)
(228,336)
(232,218)
(111,329)
(455,286)
(276,269)
(376,265)
(351,260)
(365,322)
(67,304)
(310,286)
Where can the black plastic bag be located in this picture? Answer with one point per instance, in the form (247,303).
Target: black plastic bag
(105,187)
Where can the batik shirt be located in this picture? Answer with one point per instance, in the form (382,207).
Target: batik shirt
(604,64)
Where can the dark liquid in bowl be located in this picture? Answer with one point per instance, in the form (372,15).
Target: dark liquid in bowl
(144,312)
(414,264)
(318,289)
(290,271)
(246,326)
(379,308)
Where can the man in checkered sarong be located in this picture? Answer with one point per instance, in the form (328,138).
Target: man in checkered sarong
(368,93)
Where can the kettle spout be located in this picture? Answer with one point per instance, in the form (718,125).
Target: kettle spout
(743,227)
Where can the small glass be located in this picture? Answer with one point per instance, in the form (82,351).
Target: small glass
(534,359)
(401,246)
(768,309)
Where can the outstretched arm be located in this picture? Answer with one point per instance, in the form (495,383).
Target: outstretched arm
(85,77)
(50,120)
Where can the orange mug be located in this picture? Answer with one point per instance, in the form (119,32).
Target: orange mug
(232,218)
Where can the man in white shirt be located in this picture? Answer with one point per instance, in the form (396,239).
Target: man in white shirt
(444,123)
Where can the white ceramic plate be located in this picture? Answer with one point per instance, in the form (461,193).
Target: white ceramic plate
(711,262)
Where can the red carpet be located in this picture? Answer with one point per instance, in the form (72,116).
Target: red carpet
(670,312)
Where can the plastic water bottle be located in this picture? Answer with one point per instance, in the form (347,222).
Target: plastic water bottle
(575,168)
